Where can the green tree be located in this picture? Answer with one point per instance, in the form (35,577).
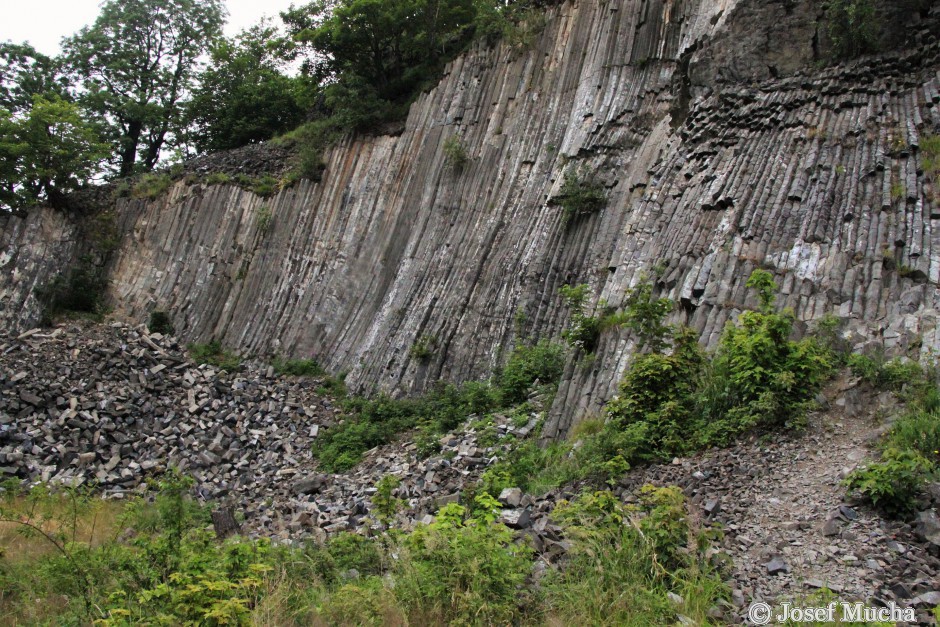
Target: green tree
(45,152)
(243,96)
(378,49)
(25,73)
(853,27)
(136,64)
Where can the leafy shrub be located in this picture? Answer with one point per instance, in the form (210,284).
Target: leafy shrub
(264,219)
(384,504)
(917,431)
(159,322)
(297,367)
(584,330)
(423,348)
(581,194)
(894,483)
(214,355)
(516,23)
(645,316)
(151,186)
(882,373)
(658,392)
(527,365)
(625,561)
(853,27)
(463,572)
(377,421)
(763,378)
(455,153)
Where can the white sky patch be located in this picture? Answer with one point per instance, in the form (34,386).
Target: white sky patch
(44,23)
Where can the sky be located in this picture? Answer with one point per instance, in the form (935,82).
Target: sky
(43,23)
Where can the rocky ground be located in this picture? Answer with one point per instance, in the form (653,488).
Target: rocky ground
(790,528)
(113,405)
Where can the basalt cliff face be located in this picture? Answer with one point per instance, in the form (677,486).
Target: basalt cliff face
(724,146)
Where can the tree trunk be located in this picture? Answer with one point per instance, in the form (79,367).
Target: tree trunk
(223,521)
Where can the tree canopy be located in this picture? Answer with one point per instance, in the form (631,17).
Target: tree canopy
(244,96)
(136,64)
(152,78)
(46,152)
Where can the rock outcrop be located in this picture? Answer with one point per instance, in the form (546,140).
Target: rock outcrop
(721,147)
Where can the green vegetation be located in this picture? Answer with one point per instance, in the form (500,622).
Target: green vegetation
(159,322)
(214,355)
(675,399)
(297,367)
(46,151)
(130,90)
(893,483)
(581,194)
(455,154)
(853,27)
(264,219)
(538,364)
(626,560)
(152,185)
(910,456)
(423,348)
(244,96)
(930,155)
(71,559)
(135,75)
(377,421)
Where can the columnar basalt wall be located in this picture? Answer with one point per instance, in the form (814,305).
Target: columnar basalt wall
(34,250)
(721,148)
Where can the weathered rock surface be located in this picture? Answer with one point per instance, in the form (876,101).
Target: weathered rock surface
(112,406)
(722,149)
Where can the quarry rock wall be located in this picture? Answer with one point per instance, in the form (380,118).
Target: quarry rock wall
(722,143)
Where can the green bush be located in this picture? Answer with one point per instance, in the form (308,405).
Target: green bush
(297,367)
(894,483)
(214,355)
(658,392)
(581,194)
(917,431)
(625,562)
(885,374)
(159,322)
(423,348)
(853,27)
(264,219)
(377,421)
(455,154)
(151,186)
(463,572)
(584,330)
(527,365)
(763,378)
